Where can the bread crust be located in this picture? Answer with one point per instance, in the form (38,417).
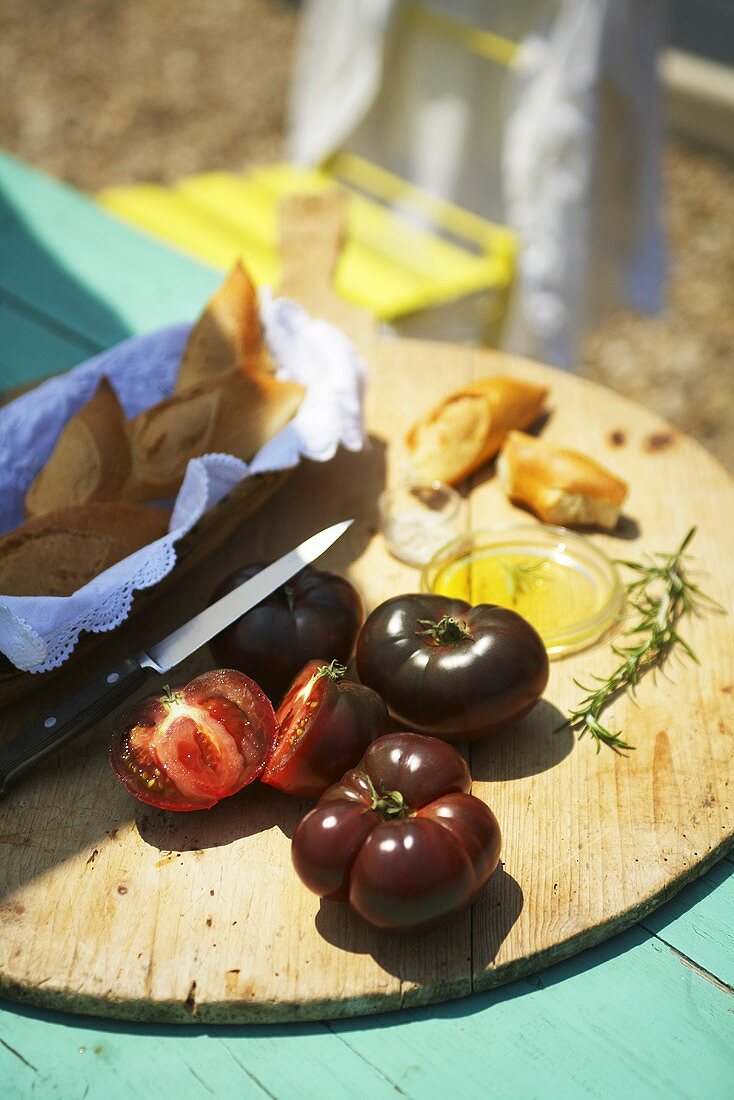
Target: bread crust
(228,335)
(559,485)
(57,553)
(232,414)
(91,459)
(469,426)
(84,507)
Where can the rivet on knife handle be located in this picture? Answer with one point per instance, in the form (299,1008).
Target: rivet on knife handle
(70,719)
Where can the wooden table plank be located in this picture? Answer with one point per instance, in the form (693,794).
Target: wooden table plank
(49,1059)
(627,1018)
(31,349)
(62,255)
(698,924)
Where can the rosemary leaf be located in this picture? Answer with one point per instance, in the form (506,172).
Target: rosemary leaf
(664,595)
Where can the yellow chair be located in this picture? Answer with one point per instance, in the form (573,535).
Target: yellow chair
(419,263)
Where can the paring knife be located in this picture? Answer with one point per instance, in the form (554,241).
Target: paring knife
(73,717)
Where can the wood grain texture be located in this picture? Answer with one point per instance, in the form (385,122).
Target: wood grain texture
(627,1018)
(113,908)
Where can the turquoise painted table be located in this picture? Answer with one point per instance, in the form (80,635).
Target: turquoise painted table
(648,1014)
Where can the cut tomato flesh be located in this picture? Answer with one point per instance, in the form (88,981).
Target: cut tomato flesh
(197,753)
(227,714)
(139,759)
(187,748)
(296,715)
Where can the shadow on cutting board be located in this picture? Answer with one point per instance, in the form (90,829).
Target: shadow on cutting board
(254,810)
(433,954)
(317,495)
(535,745)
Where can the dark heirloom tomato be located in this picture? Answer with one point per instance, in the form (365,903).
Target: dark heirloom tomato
(188,748)
(450,669)
(400,837)
(315,616)
(324,725)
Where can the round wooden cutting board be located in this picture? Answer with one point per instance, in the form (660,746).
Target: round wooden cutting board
(113,908)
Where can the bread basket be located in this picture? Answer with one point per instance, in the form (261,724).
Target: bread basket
(312,232)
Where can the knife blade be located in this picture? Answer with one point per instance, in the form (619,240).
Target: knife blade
(73,717)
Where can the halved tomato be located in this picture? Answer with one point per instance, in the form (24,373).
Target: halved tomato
(325,723)
(188,748)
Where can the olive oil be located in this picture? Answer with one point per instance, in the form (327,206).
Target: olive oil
(551,593)
(556,579)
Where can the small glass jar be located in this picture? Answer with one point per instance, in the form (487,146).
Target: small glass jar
(418,518)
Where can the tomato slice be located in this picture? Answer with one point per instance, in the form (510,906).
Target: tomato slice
(189,748)
(298,713)
(325,723)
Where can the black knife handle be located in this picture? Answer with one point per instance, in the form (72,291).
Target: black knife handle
(70,719)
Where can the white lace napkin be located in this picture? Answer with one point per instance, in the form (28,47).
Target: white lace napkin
(39,632)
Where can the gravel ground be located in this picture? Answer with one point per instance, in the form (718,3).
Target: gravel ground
(681,363)
(100,92)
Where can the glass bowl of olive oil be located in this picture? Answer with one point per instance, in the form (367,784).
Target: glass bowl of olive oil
(559,581)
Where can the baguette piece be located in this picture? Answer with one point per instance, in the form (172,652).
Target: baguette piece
(91,459)
(59,552)
(469,426)
(561,486)
(227,336)
(233,414)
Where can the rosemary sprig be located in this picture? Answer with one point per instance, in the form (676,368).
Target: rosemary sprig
(661,595)
(517,576)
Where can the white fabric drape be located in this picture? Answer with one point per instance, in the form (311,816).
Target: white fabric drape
(563,146)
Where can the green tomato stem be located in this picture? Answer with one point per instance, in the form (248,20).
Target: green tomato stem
(446,631)
(390,805)
(333,671)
